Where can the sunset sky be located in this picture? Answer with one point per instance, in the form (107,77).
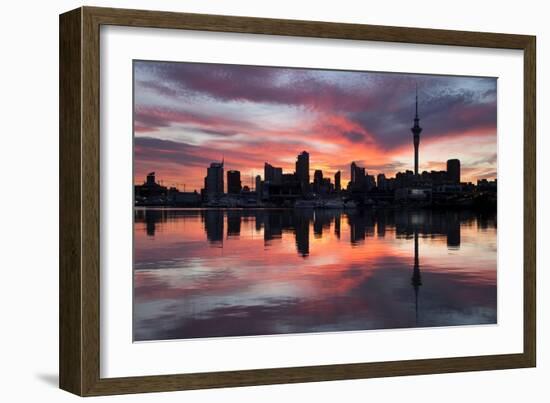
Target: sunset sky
(187,115)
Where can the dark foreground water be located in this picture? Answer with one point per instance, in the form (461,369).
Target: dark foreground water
(213,273)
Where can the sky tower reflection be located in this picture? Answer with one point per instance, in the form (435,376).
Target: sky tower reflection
(218,272)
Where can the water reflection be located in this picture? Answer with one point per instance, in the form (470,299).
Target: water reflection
(209,273)
(416,279)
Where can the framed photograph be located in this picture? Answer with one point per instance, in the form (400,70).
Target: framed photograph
(249,201)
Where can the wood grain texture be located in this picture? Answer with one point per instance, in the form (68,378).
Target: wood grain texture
(530,202)
(70,271)
(90,202)
(80,196)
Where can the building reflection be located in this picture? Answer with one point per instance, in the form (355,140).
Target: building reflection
(337,220)
(322,221)
(380,224)
(303,223)
(357,228)
(361,226)
(379,268)
(430,224)
(302,232)
(234,220)
(151,217)
(416,279)
(273,224)
(452,230)
(213,225)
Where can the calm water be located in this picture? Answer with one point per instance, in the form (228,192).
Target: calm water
(212,273)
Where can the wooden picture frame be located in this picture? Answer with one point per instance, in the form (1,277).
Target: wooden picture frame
(79,346)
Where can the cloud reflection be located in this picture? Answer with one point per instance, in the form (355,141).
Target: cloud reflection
(214,273)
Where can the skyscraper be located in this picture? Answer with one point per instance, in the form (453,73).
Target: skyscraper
(234,182)
(302,170)
(150,179)
(416,130)
(357,175)
(337,181)
(453,171)
(272,174)
(317,176)
(317,180)
(213,182)
(381,182)
(258,184)
(268,172)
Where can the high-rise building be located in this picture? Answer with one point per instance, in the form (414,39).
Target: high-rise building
(302,170)
(326,186)
(416,130)
(258,184)
(268,172)
(234,182)
(381,182)
(277,175)
(150,188)
(322,185)
(317,180)
(370,182)
(317,176)
(150,179)
(353,171)
(357,175)
(453,171)
(337,181)
(272,174)
(213,183)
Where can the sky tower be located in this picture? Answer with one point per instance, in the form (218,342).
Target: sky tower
(416,129)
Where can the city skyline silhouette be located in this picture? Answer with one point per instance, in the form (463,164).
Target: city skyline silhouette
(188,115)
(272,200)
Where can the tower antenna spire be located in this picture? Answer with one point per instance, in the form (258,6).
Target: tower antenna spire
(416,130)
(416,101)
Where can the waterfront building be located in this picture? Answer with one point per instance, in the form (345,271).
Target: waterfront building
(234,182)
(453,171)
(213,182)
(150,188)
(302,170)
(272,174)
(338,181)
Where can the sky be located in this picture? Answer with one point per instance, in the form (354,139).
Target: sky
(187,115)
